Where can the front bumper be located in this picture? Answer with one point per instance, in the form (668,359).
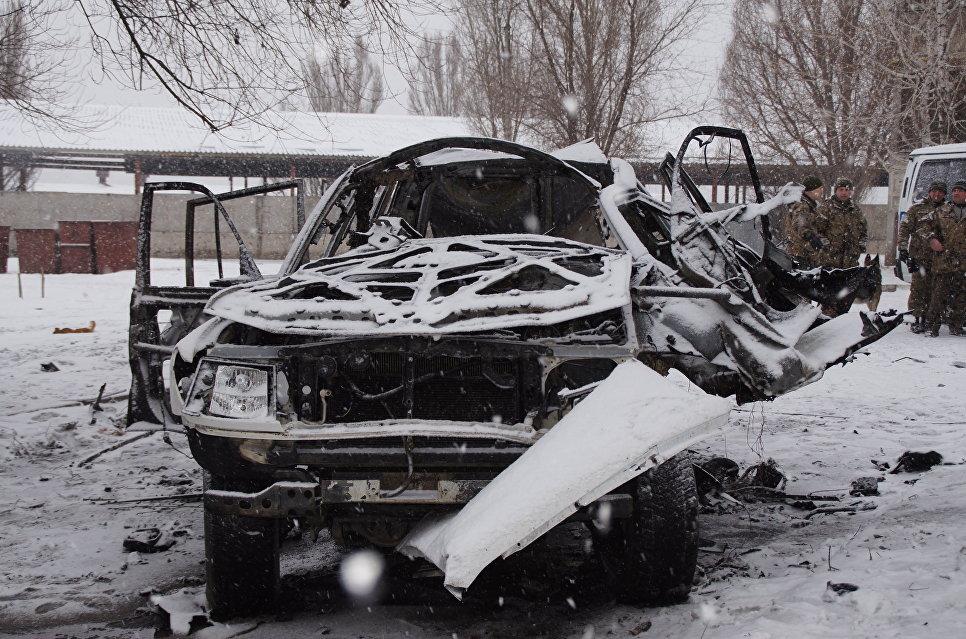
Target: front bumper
(301,499)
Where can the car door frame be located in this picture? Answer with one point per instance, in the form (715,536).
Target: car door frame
(149,347)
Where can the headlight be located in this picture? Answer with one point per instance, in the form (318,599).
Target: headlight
(239,391)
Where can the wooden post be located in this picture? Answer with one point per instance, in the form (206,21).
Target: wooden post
(714,191)
(19,286)
(138,177)
(291,174)
(43,286)
(231,183)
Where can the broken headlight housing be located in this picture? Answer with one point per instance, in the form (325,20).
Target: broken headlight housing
(239,391)
(231,390)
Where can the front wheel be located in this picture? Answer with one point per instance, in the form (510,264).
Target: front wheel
(241,559)
(652,556)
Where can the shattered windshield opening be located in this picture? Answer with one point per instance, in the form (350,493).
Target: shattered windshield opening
(469,206)
(462,199)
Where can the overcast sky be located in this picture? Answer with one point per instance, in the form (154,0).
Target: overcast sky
(705,48)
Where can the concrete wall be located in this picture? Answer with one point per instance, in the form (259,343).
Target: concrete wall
(266,223)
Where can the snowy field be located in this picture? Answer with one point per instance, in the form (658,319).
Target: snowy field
(64,572)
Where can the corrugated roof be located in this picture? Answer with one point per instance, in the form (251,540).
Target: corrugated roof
(134,129)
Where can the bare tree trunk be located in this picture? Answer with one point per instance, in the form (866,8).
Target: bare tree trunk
(344,85)
(436,86)
(837,86)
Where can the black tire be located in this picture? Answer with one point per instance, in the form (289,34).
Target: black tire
(651,557)
(241,559)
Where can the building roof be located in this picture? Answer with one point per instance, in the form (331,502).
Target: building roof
(126,130)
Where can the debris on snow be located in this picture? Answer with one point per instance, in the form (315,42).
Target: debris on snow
(851,509)
(149,540)
(913,462)
(187,614)
(85,329)
(49,367)
(880,465)
(865,487)
(764,474)
(841,588)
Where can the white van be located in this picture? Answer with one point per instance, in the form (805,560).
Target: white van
(946,162)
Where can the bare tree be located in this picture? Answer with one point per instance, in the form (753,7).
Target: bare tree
(18,84)
(496,43)
(226,61)
(839,86)
(344,84)
(606,71)
(926,43)
(436,86)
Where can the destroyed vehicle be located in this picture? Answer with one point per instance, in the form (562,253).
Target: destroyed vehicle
(467,344)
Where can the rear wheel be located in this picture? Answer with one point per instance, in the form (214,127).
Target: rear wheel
(241,559)
(651,557)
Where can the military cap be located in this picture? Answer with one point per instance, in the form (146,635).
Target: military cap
(960,184)
(846,182)
(939,185)
(811,183)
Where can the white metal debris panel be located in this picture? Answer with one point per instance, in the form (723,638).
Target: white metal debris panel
(436,286)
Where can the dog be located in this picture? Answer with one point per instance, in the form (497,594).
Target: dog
(870,287)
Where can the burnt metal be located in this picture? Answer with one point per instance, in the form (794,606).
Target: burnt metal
(282,499)
(388,453)
(209,198)
(449,379)
(718,294)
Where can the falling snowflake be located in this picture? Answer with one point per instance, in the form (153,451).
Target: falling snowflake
(360,573)
(570,104)
(532,223)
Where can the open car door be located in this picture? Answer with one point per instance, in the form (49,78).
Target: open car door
(151,339)
(704,246)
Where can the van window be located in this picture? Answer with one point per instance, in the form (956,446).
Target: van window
(948,170)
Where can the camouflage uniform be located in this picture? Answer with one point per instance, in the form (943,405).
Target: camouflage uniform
(949,268)
(802,242)
(843,231)
(914,235)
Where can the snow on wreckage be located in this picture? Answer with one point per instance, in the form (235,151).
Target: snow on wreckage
(454,327)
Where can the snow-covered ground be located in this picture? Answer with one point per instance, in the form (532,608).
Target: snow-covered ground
(63,570)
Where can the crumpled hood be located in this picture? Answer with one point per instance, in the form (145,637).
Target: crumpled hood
(436,286)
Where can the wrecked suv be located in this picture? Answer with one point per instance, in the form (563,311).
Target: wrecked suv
(468,343)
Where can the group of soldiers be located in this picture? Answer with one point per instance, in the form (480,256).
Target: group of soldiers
(932,243)
(827,233)
(832,233)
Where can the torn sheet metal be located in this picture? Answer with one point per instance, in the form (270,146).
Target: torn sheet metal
(634,420)
(436,286)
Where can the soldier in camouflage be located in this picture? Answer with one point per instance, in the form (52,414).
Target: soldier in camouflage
(843,231)
(801,240)
(948,244)
(914,233)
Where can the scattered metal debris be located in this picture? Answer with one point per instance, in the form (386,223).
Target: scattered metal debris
(913,462)
(148,540)
(841,588)
(90,458)
(865,487)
